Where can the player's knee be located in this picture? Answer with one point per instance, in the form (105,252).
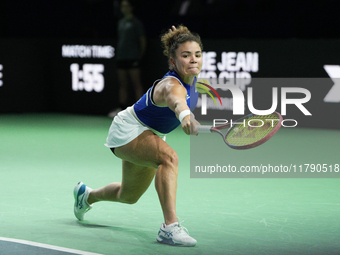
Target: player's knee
(129,200)
(170,158)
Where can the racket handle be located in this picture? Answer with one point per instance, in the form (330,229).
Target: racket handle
(203,129)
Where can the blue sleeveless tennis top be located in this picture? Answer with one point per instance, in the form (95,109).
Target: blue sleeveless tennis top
(162,118)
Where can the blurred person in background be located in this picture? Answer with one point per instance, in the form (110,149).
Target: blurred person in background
(130,49)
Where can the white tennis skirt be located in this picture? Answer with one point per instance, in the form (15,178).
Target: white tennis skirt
(125,127)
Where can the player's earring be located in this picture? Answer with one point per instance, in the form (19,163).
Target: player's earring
(172,62)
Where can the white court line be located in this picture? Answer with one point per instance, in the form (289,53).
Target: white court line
(47,246)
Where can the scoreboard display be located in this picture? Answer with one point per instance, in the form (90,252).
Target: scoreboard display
(84,78)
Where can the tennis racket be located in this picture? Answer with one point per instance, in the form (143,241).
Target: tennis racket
(247,132)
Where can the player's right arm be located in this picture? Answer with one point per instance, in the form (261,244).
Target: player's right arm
(169,92)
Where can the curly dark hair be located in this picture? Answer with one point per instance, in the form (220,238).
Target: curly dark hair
(172,39)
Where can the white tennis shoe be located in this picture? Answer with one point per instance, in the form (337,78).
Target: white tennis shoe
(81,193)
(175,234)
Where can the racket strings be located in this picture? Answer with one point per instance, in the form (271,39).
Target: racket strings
(252,129)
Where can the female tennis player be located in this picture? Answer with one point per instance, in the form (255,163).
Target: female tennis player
(137,136)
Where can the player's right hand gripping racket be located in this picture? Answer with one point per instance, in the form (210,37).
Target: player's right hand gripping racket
(247,132)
